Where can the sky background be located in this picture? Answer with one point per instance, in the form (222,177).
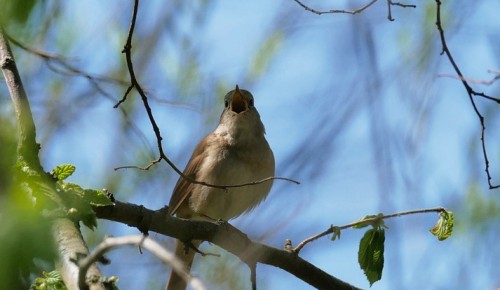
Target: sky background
(355,108)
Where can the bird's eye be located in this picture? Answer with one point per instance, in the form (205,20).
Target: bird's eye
(226,103)
(250,103)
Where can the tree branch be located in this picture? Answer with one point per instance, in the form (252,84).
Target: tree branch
(470,92)
(68,239)
(332,229)
(144,242)
(357,10)
(27,148)
(127,50)
(224,236)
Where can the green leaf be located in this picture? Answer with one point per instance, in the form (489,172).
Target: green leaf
(336,233)
(80,202)
(63,171)
(50,281)
(16,10)
(371,254)
(96,197)
(444,226)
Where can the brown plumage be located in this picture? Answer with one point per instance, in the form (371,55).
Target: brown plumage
(236,152)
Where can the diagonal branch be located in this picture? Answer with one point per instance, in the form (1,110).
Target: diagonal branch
(224,236)
(332,229)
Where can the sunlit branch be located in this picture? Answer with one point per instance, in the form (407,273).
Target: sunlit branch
(144,242)
(223,235)
(332,229)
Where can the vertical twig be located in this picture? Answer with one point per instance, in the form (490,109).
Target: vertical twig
(470,92)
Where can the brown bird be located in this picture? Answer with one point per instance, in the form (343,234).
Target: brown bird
(236,152)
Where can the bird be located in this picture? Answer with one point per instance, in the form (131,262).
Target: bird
(235,153)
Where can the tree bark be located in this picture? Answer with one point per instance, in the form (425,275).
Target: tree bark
(224,236)
(67,236)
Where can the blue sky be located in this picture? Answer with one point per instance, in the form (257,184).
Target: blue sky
(319,79)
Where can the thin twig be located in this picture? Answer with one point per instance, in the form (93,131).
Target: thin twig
(470,92)
(64,63)
(331,229)
(143,242)
(338,11)
(127,50)
(475,81)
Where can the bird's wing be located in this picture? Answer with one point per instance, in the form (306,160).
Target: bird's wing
(184,188)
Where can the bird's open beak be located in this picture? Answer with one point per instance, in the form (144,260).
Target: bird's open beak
(238,104)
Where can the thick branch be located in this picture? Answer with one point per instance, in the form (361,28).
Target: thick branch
(225,236)
(70,246)
(27,149)
(67,237)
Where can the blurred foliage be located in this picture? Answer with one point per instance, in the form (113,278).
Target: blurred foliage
(25,235)
(15,10)
(479,210)
(224,272)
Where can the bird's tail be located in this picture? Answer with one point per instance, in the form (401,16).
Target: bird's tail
(175,282)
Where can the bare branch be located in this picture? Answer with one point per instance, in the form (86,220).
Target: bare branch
(338,11)
(127,50)
(332,229)
(144,242)
(470,92)
(224,236)
(357,10)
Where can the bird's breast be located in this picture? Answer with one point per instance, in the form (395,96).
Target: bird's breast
(227,163)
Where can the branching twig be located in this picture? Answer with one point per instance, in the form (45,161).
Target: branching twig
(470,92)
(67,69)
(362,221)
(225,236)
(357,10)
(391,3)
(144,242)
(338,11)
(127,50)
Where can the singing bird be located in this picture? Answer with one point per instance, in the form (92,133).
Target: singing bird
(236,152)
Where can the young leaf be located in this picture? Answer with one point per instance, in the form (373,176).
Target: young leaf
(96,197)
(63,171)
(336,233)
(371,254)
(52,280)
(444,226)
